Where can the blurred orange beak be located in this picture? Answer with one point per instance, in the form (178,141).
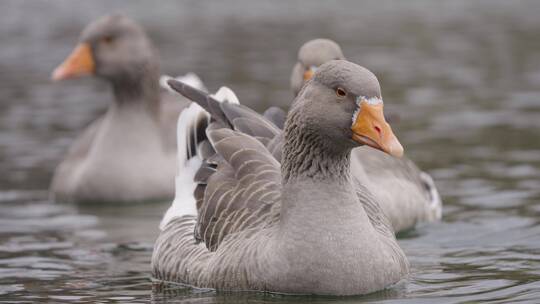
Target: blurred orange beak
(79,63)
(309,73)
(370,128)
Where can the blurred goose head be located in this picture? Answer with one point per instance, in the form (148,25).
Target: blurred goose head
(114,48)
(342,106)
(310,56)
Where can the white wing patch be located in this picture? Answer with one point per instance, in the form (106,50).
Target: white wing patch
(190,79)
(184,202)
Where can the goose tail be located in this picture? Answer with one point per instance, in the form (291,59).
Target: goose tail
(190,132)
(435,201)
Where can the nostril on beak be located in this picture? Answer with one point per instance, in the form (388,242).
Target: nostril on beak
(378,130)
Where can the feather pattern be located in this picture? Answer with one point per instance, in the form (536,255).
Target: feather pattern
(192,147)
(248,184)
(276,116)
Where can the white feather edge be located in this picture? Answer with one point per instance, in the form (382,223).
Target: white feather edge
(225,94)
(361,99)
(190,78)
(184,202)
(435,203)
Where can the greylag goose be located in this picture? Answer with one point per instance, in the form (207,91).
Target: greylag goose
(129,153)
(406,194)
(303,225)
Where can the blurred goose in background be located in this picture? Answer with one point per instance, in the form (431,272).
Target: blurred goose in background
(246,221)
(406,194)
(129,153)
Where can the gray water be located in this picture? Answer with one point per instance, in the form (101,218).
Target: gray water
(464,77)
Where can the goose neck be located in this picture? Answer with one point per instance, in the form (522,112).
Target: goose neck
(138,89)
(308,155)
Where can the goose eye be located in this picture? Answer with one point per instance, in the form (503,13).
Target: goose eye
(341,92)
(107,39)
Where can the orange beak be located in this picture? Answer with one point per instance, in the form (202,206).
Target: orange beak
(370,128)
(80,62)
(308,74)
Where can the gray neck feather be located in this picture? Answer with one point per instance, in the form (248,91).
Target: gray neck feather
(308,155)
(139,87)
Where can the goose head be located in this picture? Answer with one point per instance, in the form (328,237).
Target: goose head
(342,102)
(114,48)
(310,56)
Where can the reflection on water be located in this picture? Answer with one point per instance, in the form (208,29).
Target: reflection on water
(463,77)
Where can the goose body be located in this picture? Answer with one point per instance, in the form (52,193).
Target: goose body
(121,157)
(406,194)
(300,224)
(129,153)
